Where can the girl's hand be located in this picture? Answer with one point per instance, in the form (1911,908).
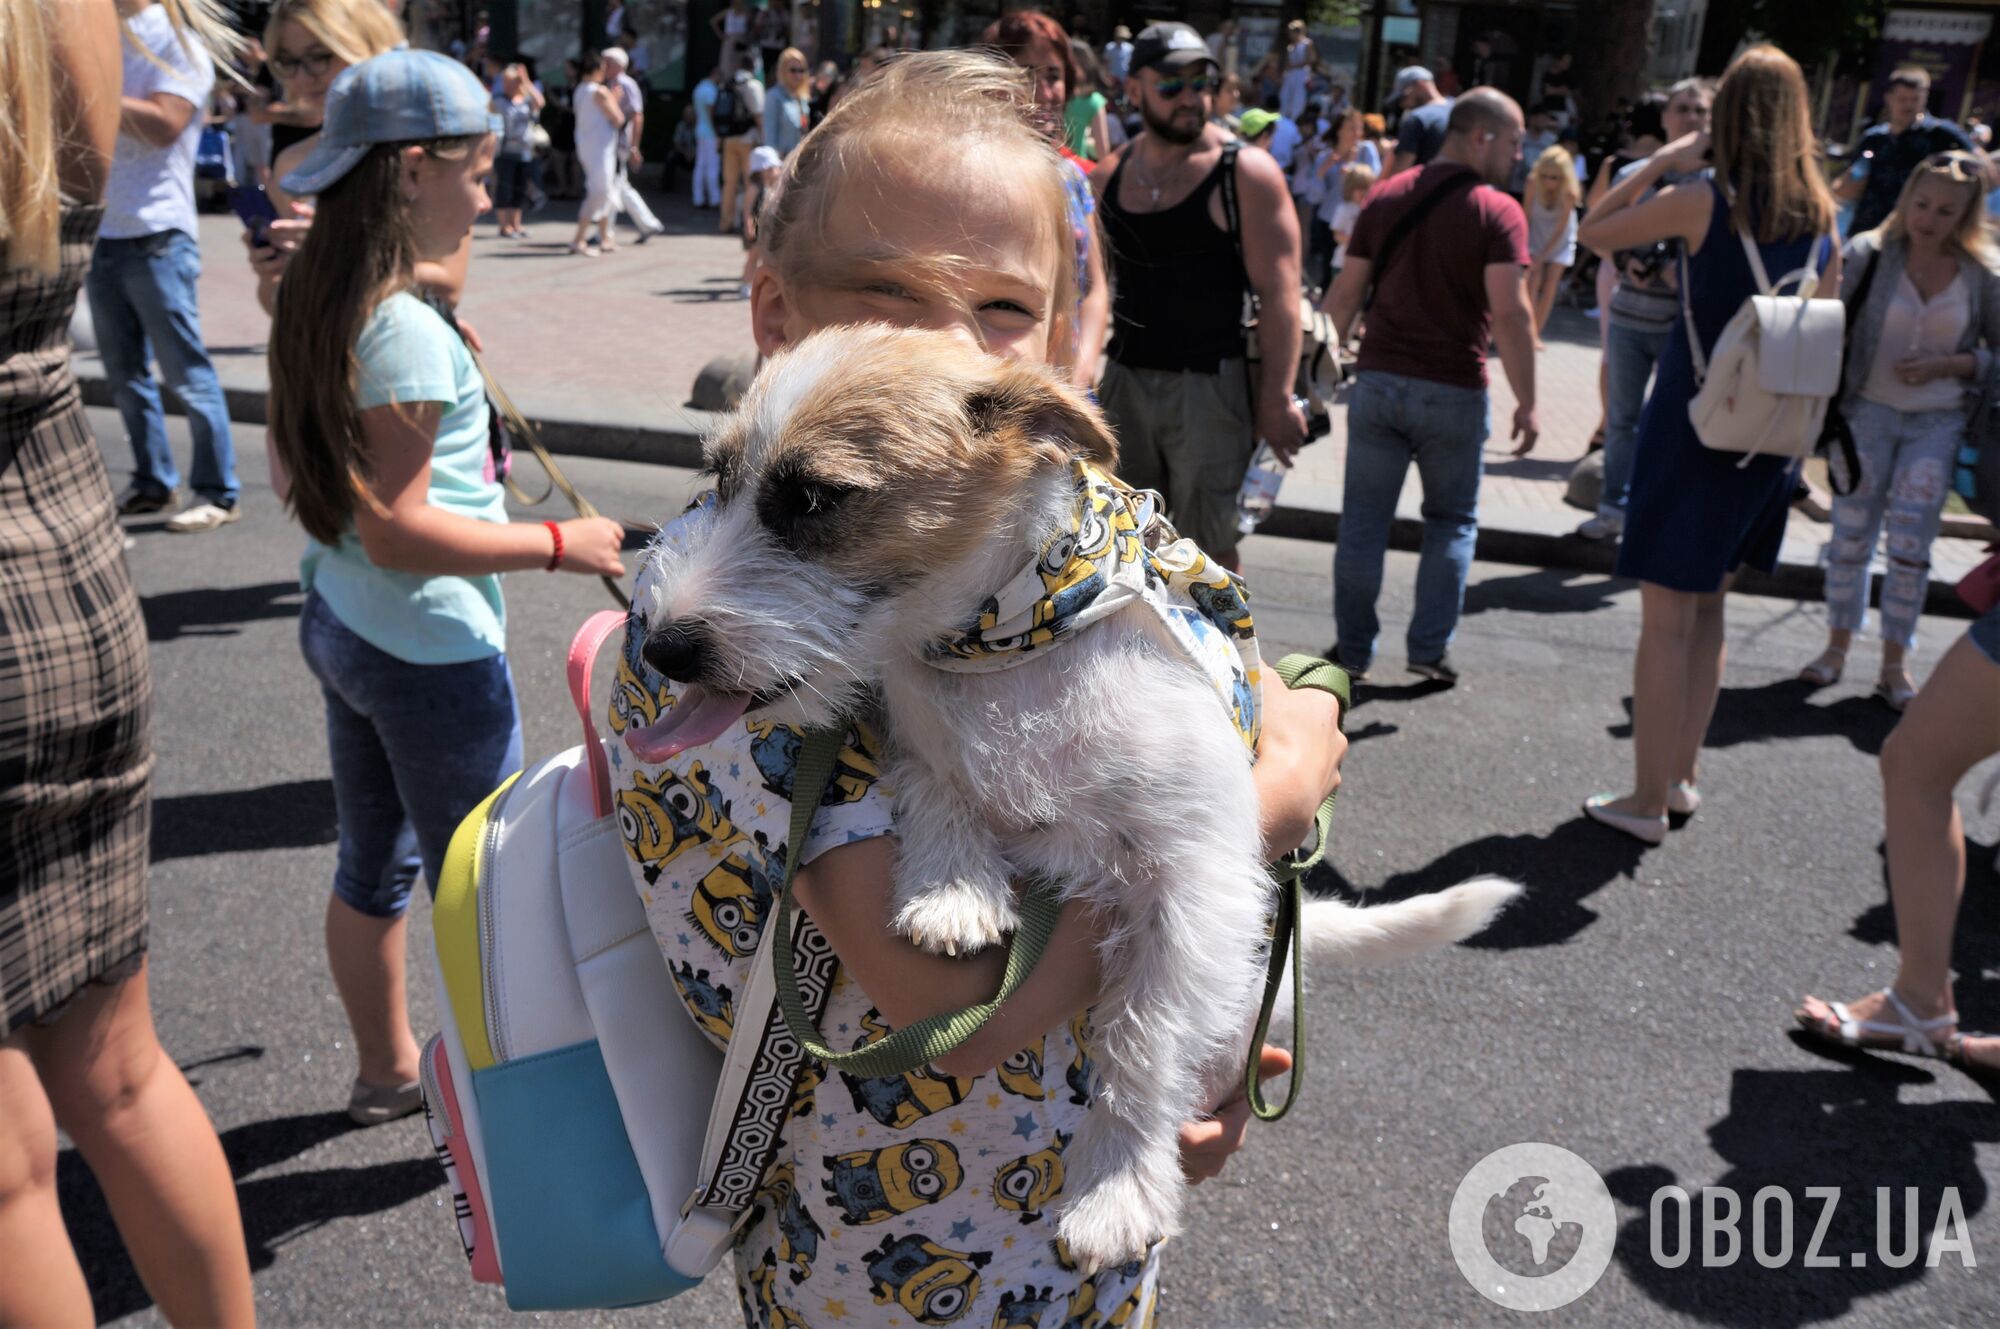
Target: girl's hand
(1924,369)
(1207,1145)
(591,546)
(1686,153)
(281,238)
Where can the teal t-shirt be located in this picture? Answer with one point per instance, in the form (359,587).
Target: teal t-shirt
(407,353)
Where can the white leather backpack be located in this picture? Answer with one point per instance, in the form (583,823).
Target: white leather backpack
(1776,366)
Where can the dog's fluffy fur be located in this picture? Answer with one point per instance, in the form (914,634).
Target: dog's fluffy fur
(875,486)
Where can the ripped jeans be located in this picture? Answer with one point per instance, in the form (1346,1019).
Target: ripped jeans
(1906,463)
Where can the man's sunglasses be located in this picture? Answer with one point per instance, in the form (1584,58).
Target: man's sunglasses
(316,64)
(1171,88)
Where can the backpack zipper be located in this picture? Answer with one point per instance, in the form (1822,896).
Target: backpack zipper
(489,928)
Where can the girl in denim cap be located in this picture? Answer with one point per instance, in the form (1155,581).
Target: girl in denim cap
(379,438)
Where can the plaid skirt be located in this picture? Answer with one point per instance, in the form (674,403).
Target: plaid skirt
(75,691)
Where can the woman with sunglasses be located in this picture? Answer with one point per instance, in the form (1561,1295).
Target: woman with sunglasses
(1927,325)
(788,107)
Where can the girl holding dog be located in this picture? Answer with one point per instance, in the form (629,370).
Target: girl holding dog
(1695,515)
(928,198)
(380,449)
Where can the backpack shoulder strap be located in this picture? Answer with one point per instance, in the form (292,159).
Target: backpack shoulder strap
(1407,224)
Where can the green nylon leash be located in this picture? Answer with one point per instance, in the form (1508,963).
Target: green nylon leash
(926,1040)
(1288,924)
(923,1042)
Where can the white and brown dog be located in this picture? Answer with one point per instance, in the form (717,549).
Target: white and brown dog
(881,495)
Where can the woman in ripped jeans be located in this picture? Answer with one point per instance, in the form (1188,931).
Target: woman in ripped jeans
(1929,324)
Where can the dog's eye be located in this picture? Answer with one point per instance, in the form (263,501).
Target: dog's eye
(791,506)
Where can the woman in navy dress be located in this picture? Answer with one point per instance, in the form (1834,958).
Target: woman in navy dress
(1696,515)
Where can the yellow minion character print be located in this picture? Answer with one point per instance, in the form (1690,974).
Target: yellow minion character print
(931,1284)
(634,702)
(803,1089)
(1082,1071)
(1021,1074)
(775,748)
(661,815)
(871,1186)
(798,1234)
(1083,1312)
(901,1100)
(729,904)
(1023,1309)
(713,1005)
(1028,1185)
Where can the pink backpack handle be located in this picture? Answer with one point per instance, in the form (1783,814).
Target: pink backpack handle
(582,655)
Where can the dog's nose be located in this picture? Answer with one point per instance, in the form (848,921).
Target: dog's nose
(675,649)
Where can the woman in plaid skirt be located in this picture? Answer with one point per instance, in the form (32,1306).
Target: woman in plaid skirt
(77,1045)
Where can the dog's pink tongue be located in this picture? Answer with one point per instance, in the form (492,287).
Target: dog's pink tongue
(700,716)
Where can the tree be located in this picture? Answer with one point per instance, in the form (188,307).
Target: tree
(1618,36)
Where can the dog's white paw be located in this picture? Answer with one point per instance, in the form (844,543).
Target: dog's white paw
(1112,1223)
(957,917)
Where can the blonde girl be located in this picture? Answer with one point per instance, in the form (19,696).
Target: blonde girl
(77,1044)
(379,448)
(1553,198)
(1928,328)
(928,198)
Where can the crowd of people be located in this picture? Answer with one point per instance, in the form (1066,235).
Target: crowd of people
(1106,212)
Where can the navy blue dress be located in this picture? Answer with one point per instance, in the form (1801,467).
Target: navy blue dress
(1695,515)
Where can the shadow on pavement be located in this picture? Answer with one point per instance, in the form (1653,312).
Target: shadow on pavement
(275,1209)
(694,296)
(1838,1127)
(1545,591)
(296,814)
(1975,942)
(218,611)
(1784,709)
(1560,870)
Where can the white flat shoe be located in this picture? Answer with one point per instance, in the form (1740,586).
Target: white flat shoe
(1646,830)
(1683,800)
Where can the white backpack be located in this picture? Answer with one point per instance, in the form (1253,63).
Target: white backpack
(1776,366)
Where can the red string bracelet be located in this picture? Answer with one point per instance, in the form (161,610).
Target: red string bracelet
(555,534)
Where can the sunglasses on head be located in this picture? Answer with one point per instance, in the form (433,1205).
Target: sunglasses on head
(1958,165)
(1198,83)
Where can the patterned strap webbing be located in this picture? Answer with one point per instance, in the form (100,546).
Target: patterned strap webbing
(767,1090)
(1287,932)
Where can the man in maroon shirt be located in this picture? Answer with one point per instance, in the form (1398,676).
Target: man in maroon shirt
(1446,254)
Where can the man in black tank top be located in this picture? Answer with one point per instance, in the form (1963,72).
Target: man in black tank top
(1176,388)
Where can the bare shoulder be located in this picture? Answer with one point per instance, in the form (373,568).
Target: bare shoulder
(1260,172)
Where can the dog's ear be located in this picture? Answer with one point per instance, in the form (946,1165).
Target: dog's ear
(1050,419)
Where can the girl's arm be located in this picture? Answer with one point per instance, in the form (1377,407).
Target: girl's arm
(609,105)
(1678,212)
(407,534)
(1100,134)
(1602,184)
(1093,318)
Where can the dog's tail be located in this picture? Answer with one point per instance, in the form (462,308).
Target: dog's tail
(1378,934)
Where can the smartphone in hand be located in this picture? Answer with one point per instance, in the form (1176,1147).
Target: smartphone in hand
(254,206)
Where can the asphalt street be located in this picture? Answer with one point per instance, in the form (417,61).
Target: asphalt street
(1633,1009)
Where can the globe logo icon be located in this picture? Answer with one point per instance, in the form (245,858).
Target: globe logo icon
(1532,1226)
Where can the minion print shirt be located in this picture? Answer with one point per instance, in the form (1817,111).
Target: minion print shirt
(909,1200)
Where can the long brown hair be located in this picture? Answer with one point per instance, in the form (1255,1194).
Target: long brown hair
(1765,157)
(360,250)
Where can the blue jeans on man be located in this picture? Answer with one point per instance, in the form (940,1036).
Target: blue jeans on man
(142,306)
(1630,355)
(1393,420)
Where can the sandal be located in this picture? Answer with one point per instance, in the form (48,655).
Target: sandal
(1908,1035)
(1896,692)
(1825,671)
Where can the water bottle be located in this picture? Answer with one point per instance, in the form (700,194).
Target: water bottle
(1259,494)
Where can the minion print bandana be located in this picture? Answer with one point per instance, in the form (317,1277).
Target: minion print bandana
(1116,549)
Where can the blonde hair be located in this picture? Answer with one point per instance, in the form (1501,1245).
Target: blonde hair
(804,81)
(30,208)
(1766,159)
(354,30)
(946,107)
(1971,236)
(1356,181)
(30,191)
(1556,161)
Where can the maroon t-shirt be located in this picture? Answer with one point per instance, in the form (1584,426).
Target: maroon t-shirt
(1430,319)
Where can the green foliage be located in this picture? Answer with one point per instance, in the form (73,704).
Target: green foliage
(1334,13)
(1812,31)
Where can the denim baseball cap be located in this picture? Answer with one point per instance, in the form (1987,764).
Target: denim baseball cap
(400,96)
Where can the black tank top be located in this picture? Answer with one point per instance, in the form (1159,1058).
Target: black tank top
(1177,282)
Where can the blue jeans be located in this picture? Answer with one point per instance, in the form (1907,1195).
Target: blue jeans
(1629,357)
(142,303)
(1906,463)
(414,749)
(1393,420)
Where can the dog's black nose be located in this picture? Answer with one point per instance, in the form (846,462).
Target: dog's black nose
(676,650)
